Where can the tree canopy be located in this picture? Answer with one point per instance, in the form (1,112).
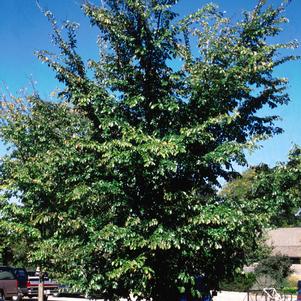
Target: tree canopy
(116,183)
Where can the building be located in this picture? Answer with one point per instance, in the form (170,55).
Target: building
(286,241)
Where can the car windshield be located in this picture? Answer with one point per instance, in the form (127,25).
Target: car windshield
(6,275)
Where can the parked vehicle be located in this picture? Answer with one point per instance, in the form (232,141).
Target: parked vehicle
(51,287)
(22,277)
(8,283)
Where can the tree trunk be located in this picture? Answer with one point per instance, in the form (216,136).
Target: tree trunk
(7,256)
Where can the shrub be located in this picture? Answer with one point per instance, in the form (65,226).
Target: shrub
(240,283)
(278,267)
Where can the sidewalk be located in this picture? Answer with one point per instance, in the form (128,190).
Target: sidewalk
(231,296)
(236,296)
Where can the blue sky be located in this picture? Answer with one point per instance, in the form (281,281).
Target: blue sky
(24,30)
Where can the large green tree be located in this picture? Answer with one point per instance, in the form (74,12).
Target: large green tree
(116,183)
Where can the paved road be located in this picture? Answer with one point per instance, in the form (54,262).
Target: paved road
(221,296)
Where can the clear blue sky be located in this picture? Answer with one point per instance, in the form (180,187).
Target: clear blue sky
(24,29)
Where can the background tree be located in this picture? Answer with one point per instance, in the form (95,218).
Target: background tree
(117,183)
(278,186)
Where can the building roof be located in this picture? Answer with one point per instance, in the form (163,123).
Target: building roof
(286,241)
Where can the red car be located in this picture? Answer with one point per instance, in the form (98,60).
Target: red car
(50,286)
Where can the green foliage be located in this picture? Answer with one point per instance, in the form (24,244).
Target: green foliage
(278,267)
(289,290)
(279,187)
(291,284)
(241,185)
(240,283)
(15,253)
(116,182)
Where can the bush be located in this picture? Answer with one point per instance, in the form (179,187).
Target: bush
(240,283)
(278,267)
(289,290)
